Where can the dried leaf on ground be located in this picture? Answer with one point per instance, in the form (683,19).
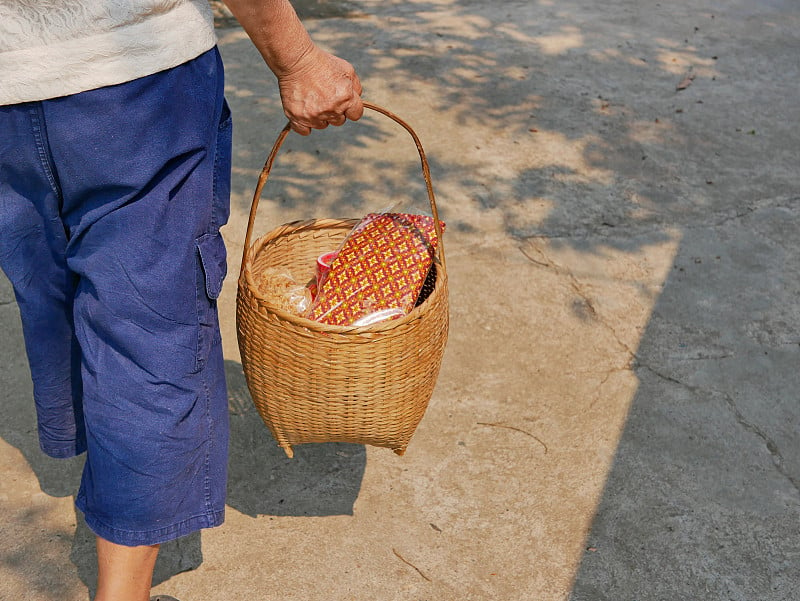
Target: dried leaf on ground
(685,82)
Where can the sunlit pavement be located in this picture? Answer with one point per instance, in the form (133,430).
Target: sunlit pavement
(617,414)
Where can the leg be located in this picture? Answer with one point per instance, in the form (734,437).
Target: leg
(143,221)
(32,254)
(140,265)
(124,573)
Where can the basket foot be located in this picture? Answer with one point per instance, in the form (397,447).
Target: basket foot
(287,448)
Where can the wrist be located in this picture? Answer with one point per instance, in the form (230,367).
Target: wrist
(289,59)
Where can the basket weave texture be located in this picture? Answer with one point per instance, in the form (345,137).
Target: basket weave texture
(314,382)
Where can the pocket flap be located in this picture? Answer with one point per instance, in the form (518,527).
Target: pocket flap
(213,257)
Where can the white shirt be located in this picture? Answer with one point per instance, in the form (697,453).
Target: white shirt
(52,48)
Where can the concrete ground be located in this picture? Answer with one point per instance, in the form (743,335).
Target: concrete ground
(617,414)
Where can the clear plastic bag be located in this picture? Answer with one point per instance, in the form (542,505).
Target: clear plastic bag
(281,290)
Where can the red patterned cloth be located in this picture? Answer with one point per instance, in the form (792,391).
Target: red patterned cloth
(381,266)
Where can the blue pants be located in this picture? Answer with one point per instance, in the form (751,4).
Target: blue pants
(111,202)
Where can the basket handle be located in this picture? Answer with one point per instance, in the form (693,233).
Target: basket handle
(426,173)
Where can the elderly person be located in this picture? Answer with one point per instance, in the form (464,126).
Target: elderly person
(115,157)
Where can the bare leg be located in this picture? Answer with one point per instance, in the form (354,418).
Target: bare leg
(124,573)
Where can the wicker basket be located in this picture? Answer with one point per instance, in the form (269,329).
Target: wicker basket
(313,382)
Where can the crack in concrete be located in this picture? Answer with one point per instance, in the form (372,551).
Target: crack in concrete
(614,370)
(632,230)
(780,202)
(772,447)
(577,288)
(665,377)
(710,357)
(547,262)
(634,361)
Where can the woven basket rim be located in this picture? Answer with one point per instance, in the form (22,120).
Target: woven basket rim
(246,277)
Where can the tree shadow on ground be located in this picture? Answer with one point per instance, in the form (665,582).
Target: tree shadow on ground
(537,102)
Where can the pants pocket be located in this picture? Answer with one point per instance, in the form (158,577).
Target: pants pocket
(211,275)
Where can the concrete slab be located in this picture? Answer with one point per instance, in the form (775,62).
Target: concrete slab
(616,417)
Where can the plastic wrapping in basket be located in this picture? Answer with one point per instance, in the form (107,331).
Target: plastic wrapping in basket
(379,270)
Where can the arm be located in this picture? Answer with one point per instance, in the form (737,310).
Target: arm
(317,88)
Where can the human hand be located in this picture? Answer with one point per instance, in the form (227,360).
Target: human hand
(319,90)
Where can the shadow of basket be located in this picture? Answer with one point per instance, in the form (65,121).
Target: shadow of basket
(321,479)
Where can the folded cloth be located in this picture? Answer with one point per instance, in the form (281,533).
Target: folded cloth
(380,267)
